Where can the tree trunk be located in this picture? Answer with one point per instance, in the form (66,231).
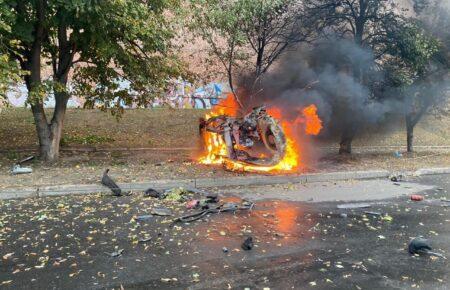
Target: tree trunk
(57,124)
(409,139)
(345,146)
(49,135)
(409,133)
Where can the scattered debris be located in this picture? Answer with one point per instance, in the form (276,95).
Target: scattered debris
(143,218)
(150,192)
(177,194)
(247,245)
(353,205)
(398,154)
(231,205)
(108,182)
(195,277)
(161,211)
(144,240)
(26,159)
(387,218)
(212,197)
(167,280)
(397,177)
(17,169)
(194,203)
(420,246)
(7,256)
(225,249)
(416,197)
(343,215)
(373,213)
(115,254)
(227,207)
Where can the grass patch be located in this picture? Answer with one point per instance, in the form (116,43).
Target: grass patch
(169,128)
(85,140)
(11,155)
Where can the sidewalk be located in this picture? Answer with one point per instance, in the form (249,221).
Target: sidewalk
(57,190)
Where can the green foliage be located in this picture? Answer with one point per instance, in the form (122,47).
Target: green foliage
(416,67)
(116,41)
(219,21)
(40,92)
(137,41)
(12,155)
(9,69)
(9,74)
(414,49)
(246,34)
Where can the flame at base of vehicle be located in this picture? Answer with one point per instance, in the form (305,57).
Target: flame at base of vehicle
(216,149)
(289,163)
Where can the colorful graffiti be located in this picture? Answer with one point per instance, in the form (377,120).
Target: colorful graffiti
(180,94)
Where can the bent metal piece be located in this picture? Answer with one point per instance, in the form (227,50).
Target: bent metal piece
(227,207)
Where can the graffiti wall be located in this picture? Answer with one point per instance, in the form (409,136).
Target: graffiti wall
(180,94)
(17,97)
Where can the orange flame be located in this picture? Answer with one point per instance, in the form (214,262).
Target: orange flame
(216,149)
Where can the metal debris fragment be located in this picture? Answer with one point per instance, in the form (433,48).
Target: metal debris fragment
(353,205)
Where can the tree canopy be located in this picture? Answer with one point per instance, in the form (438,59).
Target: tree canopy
(248,34)
(9,70)
(109,42)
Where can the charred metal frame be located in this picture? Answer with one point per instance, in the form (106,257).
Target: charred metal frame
(242,134)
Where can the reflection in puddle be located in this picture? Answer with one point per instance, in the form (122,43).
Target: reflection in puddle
(280,231)
(270,222)
(286,215)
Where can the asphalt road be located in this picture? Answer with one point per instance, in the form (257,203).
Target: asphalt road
(302,240)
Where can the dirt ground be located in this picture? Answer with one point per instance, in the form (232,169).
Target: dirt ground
(175,133)
(168,128)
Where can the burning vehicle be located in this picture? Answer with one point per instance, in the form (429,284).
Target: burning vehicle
(256,132)
(259,141)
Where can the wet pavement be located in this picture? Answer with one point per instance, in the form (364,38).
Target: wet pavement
(66,242)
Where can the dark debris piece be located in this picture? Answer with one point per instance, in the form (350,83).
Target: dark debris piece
(212,197)
(418,246)
(374,213)
(108,182)
(29,158)
(144,240)
(150,192)
(421,246)
(247,245)
(143,218)
(226,207)
(115,254)
(161,211)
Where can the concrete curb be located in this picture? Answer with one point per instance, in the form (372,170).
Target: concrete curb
(58,190)
(430,171)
